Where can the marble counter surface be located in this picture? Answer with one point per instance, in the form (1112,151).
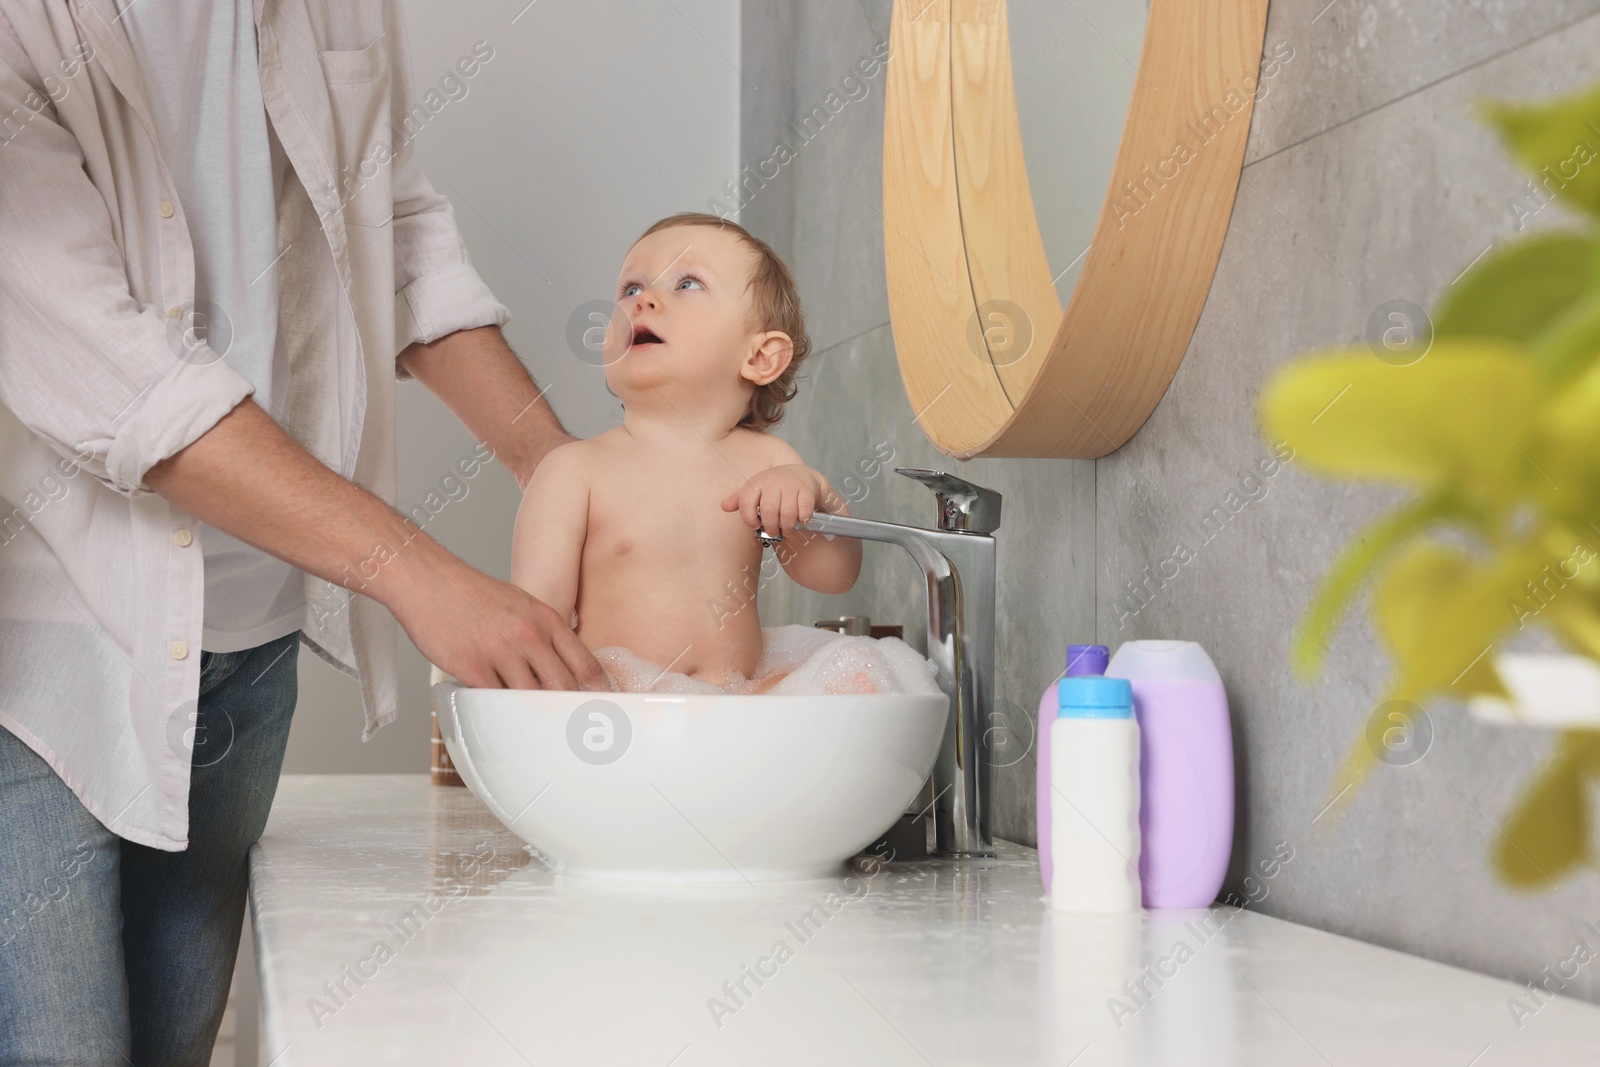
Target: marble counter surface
(398,922)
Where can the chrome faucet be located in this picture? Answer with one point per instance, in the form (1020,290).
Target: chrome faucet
(958,560)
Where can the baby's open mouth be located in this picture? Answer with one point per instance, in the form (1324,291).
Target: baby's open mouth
(644,336)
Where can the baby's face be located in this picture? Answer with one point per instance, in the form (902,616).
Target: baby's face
(683,316)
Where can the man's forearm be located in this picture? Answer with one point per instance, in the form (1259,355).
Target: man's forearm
(481,381)
(249,478)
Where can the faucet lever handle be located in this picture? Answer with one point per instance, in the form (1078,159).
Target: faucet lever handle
(962,505)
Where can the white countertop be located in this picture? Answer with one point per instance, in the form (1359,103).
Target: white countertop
(503,961)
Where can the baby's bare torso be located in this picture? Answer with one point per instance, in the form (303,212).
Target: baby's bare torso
(665,572)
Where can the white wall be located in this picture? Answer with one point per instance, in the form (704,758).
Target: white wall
(592,119)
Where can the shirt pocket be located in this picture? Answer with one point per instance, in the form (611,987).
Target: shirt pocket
(359,93)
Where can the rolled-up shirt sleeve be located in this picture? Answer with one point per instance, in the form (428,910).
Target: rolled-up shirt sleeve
(437,290)
(83,364)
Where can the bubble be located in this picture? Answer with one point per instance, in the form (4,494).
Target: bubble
(796,660)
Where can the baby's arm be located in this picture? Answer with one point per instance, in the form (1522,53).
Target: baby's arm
(815,561)
(552,521)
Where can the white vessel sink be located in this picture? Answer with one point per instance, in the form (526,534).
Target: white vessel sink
(692,788)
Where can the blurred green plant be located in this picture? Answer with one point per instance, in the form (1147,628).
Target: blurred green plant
(1496,430)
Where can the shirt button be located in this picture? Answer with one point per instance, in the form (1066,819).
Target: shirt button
(179,650)
(183,538)
(165,209)
(174,312)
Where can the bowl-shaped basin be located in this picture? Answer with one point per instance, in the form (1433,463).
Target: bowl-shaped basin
(701,788)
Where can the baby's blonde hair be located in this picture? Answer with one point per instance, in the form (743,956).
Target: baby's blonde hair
(774,305)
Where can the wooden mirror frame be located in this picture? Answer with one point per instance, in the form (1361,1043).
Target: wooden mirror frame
(1024,377)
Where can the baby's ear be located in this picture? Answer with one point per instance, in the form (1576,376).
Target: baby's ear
(769,359)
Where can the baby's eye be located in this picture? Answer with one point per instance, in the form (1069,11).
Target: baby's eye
(630,289)
(689,278)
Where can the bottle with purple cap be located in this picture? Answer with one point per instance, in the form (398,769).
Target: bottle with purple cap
(1186,810)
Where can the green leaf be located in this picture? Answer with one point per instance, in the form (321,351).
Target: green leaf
(1547,835)
(1574,618)
(1570,344)
(1571,419)
(1481,679)
(1355,562)
(1439,609)
(1556,141)
(1515,291)
(1455,417)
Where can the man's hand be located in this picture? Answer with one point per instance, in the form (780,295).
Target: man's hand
(248,477)
(487,633)
(786,495)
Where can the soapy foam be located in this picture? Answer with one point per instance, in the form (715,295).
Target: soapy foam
(804,660)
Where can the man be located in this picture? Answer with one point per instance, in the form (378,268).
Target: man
(216,256)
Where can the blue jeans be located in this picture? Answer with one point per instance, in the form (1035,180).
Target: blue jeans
(112,952)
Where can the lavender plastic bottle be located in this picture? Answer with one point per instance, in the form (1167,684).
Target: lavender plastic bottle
(1082,661)
(1186,771)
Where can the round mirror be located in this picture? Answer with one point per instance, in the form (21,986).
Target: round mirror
(1057,184)
(1073,67)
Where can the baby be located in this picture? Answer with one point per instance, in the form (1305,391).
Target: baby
(648,532)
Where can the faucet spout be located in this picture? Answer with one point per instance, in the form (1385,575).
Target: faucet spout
(958,565)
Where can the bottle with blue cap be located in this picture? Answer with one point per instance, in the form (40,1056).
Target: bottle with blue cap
(1082,661)
(1092,769)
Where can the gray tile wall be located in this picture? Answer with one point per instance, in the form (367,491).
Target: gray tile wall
(1367,178)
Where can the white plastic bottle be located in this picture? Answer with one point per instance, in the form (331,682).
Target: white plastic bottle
(1094,782)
